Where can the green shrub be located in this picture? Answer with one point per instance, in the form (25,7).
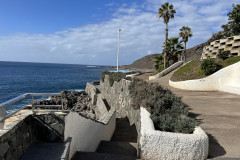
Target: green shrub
(210,66)
(185,125)
(133,72)
(165,107)
(223,55)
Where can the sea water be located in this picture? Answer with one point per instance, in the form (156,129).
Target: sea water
(17,78)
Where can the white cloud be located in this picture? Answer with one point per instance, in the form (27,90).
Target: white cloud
(142,33)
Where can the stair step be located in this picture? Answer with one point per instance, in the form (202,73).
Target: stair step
(116,147)
(100,156)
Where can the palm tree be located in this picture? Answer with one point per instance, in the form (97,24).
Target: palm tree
(158,62)
(185,33)
(166,12)
(174,48)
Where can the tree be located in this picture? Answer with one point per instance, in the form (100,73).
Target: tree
(158,62)
(185,33)
(166,12)
(233,26)
(174,48)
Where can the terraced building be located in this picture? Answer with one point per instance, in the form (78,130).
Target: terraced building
(231,44)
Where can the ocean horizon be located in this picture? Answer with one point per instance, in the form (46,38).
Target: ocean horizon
(17,78)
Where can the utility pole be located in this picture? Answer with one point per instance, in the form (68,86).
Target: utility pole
(118,48)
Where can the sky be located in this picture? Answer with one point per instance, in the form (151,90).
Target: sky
(86,31)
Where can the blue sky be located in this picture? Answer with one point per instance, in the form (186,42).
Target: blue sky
(85,32)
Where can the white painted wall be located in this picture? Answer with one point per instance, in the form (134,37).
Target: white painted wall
(87,134)
(226,80)
(166,71)
(171,146)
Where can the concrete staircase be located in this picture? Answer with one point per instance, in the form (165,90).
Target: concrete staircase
(123,145)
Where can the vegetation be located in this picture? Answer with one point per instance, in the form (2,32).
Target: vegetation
(230,61)
(231,28)
(166,12)
(133,72)
(158,63)
(210,66)
(185,33)
(174,48)
(113,76)
(223,55)
(167,110)
(192,70)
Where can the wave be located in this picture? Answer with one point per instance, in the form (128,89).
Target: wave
(76,90)
(123,70)
(11,111)
(90,66)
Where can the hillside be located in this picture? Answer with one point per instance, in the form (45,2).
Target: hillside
(195,53)
(146,62)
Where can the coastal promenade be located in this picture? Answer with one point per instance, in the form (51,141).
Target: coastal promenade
(218,114)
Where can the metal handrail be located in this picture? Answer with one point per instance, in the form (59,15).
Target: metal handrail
(3,105)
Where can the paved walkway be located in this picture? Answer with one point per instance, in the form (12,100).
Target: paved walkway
(219,115)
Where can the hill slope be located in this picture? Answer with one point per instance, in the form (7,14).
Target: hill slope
(146,62)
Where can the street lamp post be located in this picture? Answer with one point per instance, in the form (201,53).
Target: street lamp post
(118,48)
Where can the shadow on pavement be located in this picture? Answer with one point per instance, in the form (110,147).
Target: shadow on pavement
(215,149)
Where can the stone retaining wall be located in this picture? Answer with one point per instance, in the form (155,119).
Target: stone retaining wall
(118,97)
(16,140)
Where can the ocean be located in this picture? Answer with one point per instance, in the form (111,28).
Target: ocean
(17,78)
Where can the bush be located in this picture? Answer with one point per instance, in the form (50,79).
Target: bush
(170,124)
(133,72)
(223,55)
(168,112)
(210,66)
(113,76)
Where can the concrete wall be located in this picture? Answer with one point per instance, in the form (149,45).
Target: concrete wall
(165,145)
(226,80)
(166,71)
(87,134)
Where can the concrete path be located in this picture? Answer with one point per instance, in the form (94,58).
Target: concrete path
(218,113)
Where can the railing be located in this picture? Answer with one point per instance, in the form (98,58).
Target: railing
(3,113)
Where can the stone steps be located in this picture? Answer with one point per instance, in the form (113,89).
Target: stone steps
(100,156)
(115,147)
(124,132)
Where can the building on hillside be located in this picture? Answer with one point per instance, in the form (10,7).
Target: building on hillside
(231,44)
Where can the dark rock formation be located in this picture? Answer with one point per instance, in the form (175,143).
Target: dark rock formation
(76,101)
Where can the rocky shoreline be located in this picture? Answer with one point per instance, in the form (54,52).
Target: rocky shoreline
(75,101)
